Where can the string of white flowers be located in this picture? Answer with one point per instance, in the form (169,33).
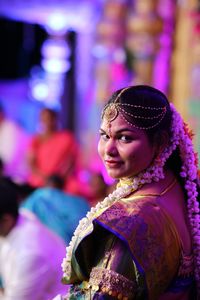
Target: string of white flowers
(154,173)
(189,171)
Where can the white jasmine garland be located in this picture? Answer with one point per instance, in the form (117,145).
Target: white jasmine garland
(181,138)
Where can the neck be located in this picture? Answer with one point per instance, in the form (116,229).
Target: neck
(47,133)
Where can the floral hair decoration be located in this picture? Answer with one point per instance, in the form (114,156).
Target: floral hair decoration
(181,138)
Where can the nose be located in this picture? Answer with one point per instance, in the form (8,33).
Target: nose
(110,148)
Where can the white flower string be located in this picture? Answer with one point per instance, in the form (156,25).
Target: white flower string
(189,171)
(154,173)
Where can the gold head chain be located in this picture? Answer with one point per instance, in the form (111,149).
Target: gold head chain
(112,110)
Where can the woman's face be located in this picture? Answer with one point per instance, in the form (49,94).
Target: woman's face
(124,149)
(48,121)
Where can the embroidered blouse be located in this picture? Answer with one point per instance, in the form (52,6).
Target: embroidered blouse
(133,252)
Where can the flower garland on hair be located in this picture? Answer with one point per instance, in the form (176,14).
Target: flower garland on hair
(189,171)
(154,173)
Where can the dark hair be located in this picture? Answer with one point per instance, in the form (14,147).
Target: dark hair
(147,97)
(56,181)
(8,199)
(144,96)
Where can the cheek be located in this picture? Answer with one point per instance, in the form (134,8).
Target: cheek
(145,156)
(137,153)
(130,151)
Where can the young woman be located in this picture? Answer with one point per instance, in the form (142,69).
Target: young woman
(143,240)
(51,151)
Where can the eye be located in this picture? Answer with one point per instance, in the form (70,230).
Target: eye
(104,136)
(125,138)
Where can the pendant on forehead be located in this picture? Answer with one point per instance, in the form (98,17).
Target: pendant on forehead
(111,112)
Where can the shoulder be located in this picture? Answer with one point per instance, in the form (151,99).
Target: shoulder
(131,209)
(66,134)
(139,219)
(35,140)
(65,137)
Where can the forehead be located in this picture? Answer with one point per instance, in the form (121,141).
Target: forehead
(47,114)
(119,124)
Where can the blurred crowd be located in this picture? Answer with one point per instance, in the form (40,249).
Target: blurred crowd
(42,199)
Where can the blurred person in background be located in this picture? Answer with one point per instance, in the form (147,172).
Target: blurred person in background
(97,188)
(30,254)
(23,189)
(52,151)
(13,146)
(58,210)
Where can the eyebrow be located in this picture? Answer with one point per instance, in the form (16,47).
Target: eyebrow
(120,130)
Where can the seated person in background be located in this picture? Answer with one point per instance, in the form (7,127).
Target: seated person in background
(30,254)
(2,171)
(56,209)
(98,188)
(8,179)
(51,151)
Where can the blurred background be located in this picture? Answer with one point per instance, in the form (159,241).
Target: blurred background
(70,55)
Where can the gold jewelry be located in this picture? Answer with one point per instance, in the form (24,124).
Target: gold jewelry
(124,115)
(119,95)
(112,110)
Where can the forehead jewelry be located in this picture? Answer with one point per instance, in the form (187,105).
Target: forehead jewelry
(110,114)
(160,114)
(112,110)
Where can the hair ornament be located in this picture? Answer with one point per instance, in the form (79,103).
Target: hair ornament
(159,116)
(112,110)
(189,171)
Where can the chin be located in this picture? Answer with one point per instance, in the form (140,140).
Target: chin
(115,175)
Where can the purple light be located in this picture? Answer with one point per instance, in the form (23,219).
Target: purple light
(56,48)
(57,22)
(57,16)
(40,91)
(55,65)
(55,56)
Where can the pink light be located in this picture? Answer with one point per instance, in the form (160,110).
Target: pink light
(55,48)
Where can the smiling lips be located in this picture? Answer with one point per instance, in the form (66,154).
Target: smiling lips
(112,163)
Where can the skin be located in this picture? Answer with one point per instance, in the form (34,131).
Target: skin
(7,223)
(124,149)
(48,121)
